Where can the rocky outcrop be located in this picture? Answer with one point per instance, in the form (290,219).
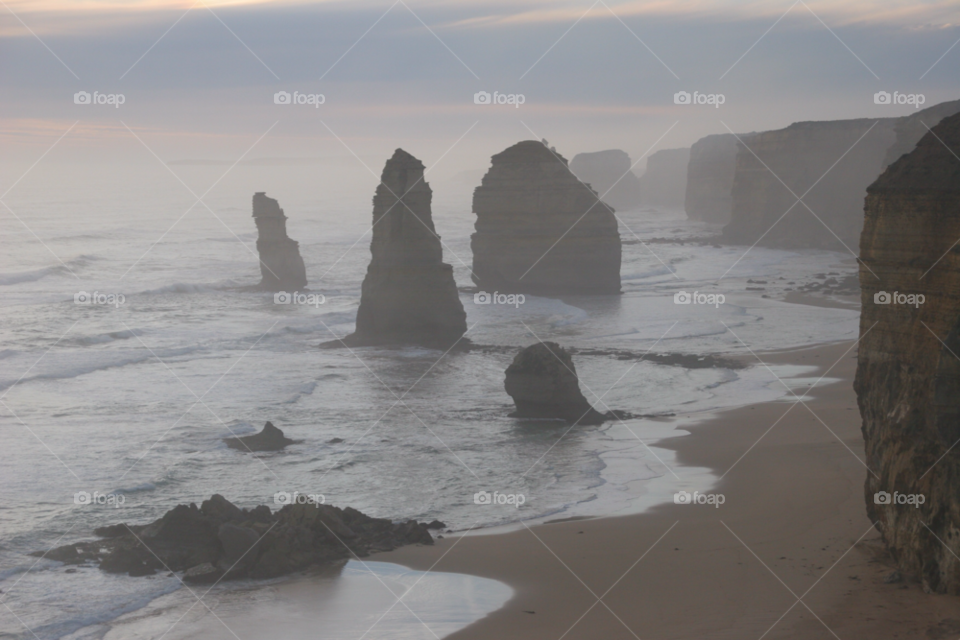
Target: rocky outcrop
(543,384)
(269,439)
(910,129)
(541,231)
(218,540)
(609,173)
(710,172)
(908,371)
(281,266)
(664,183)
(409,294)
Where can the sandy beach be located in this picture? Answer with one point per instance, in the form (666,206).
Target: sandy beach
(789,554)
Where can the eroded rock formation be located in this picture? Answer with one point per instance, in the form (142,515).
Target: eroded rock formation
(409,294)
(281,266)
(543,383)
(540,230)
(910,129)
(609,173)
(221,541)
(710,172)
(664,183)
(908,373)
(269,439)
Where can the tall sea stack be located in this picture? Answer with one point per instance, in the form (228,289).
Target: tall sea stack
(281,267)
(540,230)
(609,173)
(409,294)
(664,183)
(713,163)
(908,372)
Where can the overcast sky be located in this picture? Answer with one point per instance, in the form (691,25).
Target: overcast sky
(198,79)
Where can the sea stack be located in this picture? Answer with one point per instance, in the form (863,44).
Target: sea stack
(713,163)
(281,266)
(543,384)
(409,294)
(664,183)
(541,231)
(908,372)
(269,439)
(609,173)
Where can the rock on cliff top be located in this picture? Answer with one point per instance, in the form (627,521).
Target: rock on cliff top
(281,266)
(610,174)
(540,230)
(408,295)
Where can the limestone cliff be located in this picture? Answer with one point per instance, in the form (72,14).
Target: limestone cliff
(910,129)
(908,373)
(540,230)
(609,173)
(281,267)
(710,172)
(664,183)
(408,294)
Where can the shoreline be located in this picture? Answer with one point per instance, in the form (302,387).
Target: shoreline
(793,520)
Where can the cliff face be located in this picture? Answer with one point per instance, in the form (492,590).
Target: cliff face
(281,266)
(408,294)
(541,231)
(908,381)
(910,129)
(713,163)
(608,172)
(664,183)
(799,155)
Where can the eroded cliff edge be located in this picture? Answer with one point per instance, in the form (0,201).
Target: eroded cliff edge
(908,373)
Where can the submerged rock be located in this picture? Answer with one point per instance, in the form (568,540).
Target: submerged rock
(221,541)
(543,383)
(539,230)
(609,173)
(269,439)
(409,294)
(281,266)
(908,372)
(664,183)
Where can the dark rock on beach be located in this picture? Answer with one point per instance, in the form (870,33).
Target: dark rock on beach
(269,439)
(281,266)
(543,383)
(219,540)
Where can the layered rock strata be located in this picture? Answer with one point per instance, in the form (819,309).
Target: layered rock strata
(541,231)
(609,174)
(281,266)
(908,372)
(218,540)
(269,439)
(409,294)
(664,183)
(543,383)
(710,172)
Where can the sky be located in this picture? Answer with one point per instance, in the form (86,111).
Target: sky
(198,79)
